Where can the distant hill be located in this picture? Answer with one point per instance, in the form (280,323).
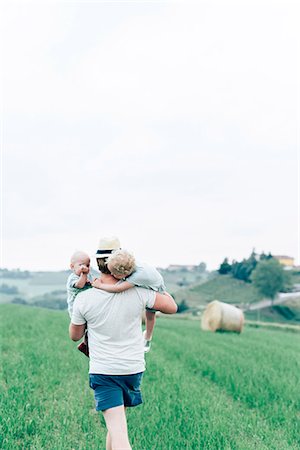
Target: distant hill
(176,279)
(287,312)
(221,287)
(194,287)
(48,289)
(230,290)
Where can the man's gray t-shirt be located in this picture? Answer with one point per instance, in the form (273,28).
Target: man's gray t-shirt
(114,328)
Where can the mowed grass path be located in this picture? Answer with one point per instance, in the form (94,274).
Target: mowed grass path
(201,390)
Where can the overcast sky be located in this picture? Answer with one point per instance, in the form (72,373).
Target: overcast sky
(172,125)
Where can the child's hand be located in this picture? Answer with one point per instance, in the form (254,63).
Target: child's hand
(97,283)
(82,269)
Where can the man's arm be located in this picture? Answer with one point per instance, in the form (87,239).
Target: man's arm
(76,331)
(124,286)
(165,303)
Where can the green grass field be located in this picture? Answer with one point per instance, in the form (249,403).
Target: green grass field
(201,390)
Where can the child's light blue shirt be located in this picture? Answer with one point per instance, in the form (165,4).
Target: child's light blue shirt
(72,291)
(147,277)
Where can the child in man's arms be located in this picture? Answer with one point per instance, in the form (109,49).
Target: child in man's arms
(123,266)
(78,281)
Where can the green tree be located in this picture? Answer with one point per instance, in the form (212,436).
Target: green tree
(251,263)
(10,290)
(242,270)
(225,267)
(182,306)
(269,278)
(263,256)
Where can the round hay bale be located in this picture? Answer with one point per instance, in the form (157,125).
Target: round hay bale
(221,316)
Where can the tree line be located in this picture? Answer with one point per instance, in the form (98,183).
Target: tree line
(264,271)
(16,273)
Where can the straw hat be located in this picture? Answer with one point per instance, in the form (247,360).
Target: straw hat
(107,246)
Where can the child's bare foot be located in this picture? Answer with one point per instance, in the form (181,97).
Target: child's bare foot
(84,345)
(84,348)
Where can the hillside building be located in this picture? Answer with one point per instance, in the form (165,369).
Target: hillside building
(286,261)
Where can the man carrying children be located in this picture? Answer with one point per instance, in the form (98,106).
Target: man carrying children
(116,349)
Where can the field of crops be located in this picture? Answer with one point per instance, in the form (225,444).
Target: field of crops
(201,390)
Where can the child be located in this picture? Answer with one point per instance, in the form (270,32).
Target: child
(78,281)
(122,266)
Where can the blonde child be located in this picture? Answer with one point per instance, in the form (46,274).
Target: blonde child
(123,266)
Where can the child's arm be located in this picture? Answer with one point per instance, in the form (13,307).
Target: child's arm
(82,273)
(124,286)
(82,280)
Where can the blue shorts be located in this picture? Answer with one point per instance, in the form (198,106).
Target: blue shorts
(116,390)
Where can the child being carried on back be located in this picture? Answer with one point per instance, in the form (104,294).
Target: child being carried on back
(123,266)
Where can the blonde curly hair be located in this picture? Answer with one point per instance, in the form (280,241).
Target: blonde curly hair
(121,263)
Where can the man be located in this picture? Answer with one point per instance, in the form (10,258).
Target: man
(115,344)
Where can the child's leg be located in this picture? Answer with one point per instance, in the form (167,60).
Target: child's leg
(150,322)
